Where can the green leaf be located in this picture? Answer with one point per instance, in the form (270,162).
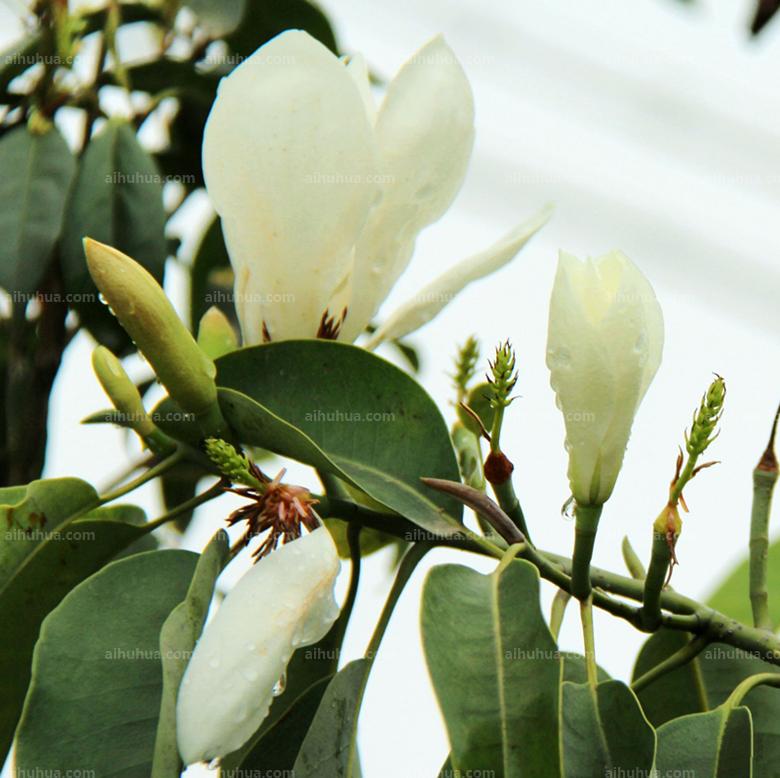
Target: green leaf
(732,596)
(178,636)
(608,735)
(97,677)
(116,199)
(211,260)
(329,747)
(716,744)
(264,19)
(495,668)
(218,17)
(37,172)
(706,683)
(341,409)
(674,694)
(54,538)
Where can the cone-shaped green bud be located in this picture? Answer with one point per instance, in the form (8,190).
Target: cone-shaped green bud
(126,398)
(146,314)
(465,366)
(706,418)
(232,464)
(503,376)
(216,335)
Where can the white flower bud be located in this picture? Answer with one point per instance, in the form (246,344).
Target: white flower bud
(604,346)
(283,603)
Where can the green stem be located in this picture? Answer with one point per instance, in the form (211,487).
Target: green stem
(408,565)
(687,653)
(660,559)
(764,480)
(507,499)
(194,502)
(586,525)
(558,610)
(150,474)
(586,615)
(747,686)
(353,540)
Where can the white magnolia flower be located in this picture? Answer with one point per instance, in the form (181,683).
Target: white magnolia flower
(604,345)
(322,195)
(284,602)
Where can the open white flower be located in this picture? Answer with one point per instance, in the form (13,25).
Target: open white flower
(322,195)
(284,602)
(604,346)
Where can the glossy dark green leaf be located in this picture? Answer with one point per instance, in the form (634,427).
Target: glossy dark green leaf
(54,539)
(37,171)
(329,747)
(495,668)
(732,595)
(381,433)
(575,670)
(264,19)
(178,636)
(206,288)
(608,735)
(116,199)
(97,676)
(716,744)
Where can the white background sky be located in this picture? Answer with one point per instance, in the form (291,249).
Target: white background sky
(654,128)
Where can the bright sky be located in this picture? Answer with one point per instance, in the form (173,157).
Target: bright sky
(653,127)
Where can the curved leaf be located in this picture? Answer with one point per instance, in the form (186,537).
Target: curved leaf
(608,735)
(37,172)
(716,744)
(329,746)
(54,538)
(495,668)
(380,433)
(97,676)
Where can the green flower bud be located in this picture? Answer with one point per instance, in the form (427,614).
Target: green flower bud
(126,398)
(504,376)
(706,418)
(144,311)
(465,366)
(232,464)
(216,335)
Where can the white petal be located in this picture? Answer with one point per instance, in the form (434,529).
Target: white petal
(285,601)
(425,305)
(425,133)
(289,160)
(358,69)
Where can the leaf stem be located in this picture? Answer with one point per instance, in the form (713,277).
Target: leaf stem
(686,654)
(586,616)
(507,499)
(149,475)
(558,610)
(194,502)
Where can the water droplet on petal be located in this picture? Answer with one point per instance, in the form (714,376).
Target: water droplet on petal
(279,686)
(250,674)
(214,662)
(213,764)
(251,647)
